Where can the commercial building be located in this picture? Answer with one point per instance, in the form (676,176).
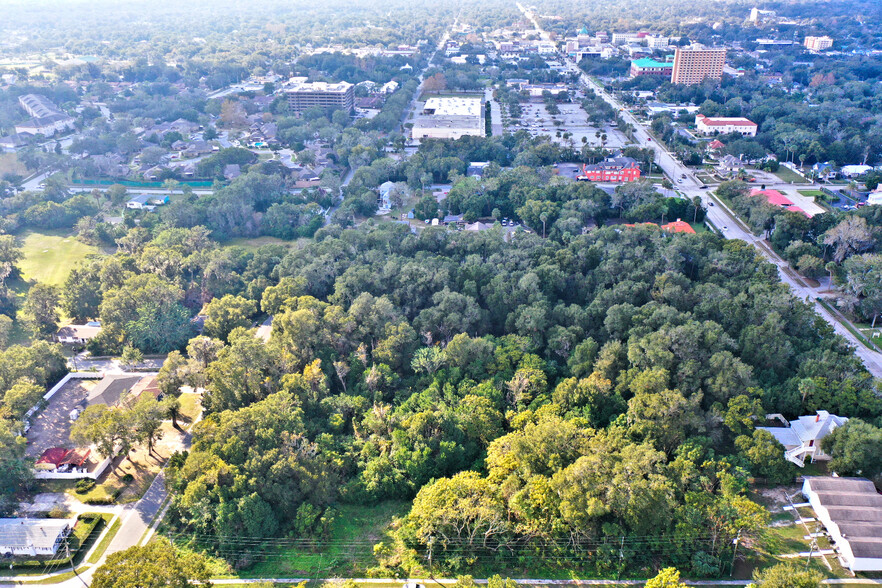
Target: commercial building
(758,16)
(802,438)
(33,537)
(615,169)
(305,95)
(650,67)
(818,43)
(710,125)
(693,65)
(450,118)
(851,511)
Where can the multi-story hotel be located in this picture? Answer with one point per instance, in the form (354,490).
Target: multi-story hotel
(693,65)
(306,95)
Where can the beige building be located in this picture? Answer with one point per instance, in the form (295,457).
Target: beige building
(818,43)
(305,95)
(693,65)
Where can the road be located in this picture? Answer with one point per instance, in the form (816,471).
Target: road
(718,214)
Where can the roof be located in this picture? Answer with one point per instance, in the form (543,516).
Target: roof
(678,226)
(723,121)
(612,164)
(716,144)
(38,533)
(774,197)
(110,389)
(649,62)
(851,510)
(53,455)
(79,331)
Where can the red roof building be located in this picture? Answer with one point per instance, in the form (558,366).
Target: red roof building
(616,169)
(778,199)
(678,226)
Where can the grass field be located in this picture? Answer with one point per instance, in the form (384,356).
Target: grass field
(9,164)
(789,176)
(257,242)
(49,256)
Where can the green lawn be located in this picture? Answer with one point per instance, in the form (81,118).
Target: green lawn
(789,176)
(257,242)
(49,256)
(813,193)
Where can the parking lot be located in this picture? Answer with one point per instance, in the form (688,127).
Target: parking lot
(573,119)
(51,428)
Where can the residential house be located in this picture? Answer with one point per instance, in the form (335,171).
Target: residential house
(802,438)
(146,201)
(384,202)
(824,171)
(78,334)
(232,171)
(730,163)
(33,537)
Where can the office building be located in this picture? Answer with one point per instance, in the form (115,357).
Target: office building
(650,67)
(818,43)
(759,16)
(615,169)
(693,65)
(305,95)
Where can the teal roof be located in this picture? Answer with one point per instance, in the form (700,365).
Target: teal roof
(583,31)
(649,62)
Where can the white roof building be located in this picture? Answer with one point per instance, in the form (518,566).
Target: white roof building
(450,118)
(802,438)
(33,536)
(851,511)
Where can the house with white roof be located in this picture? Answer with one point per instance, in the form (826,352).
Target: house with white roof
(32,537)
(802,438)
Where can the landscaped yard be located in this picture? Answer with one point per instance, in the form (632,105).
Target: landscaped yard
(789,176)
(49,256)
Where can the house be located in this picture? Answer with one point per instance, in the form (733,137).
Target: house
(78,334)
(678,226)
(232,171)
(146,201)
(851,511)
(476,169)
(801,438)
(715,146)
(385,201)
(824,171)
(851,171)
(32,537)
(615,169)
(62,460)
(478,226)
(725,125)
(731,163)
(452,219)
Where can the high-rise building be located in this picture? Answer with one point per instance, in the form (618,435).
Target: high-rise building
(818,43)
(693,65)
(305,95)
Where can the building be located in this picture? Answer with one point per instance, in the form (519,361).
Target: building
(650,67)
(851,511)
(46,118)
(678,226)
(758,16)
(146,201)
(622,38)
(78,334)
(305,95)
(723,125)
(615,169)
(818,43)
(693,65)
(802,438)
(450,118)
(32,537)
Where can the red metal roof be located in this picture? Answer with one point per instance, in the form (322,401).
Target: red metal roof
(678,226)
(54,455)
(773,196)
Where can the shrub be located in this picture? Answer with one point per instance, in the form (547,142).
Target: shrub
(84,485)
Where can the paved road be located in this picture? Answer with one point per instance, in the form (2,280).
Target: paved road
(719,215)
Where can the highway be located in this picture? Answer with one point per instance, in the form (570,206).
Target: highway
(718,214)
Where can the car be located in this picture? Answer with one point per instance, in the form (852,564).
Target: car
(703,187)
(710,203)
(648,139)
(725,228)
(427,221)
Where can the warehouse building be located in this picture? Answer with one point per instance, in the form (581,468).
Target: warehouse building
(450,118)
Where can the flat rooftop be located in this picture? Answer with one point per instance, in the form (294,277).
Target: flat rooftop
(451,106)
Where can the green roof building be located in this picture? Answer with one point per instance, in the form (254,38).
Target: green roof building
(650,67)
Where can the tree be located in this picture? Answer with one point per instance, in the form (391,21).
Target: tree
(226,313)
(666,578)
(766,457)
(851,235)
(17,466)
(174,373)
(435,83)
(155,565)
(146,418)
(81,295)
(108,428)
(232,114)
(171,407)
(855,449)
(427,359)
(787,575)
(41,310)
(131,357)
(22,397)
